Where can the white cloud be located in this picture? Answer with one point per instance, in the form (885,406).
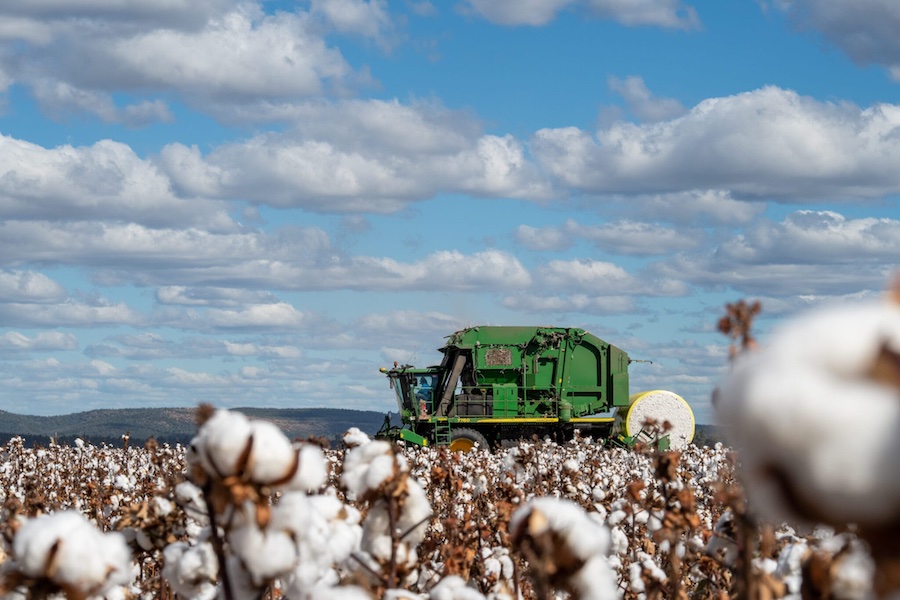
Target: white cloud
(70,313)
(598,278)
(642,103)
(865,29)
(574,303)
(44,341)
(623,237)
(814,253)
(212,296)
(543,238)
(29,287)
(661,13)
(218,53)
(694,207)
(103,181)
(364,156)
(766,143)
(367,18)
(816,237)
(194,267)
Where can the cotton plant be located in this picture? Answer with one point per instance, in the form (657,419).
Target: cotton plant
(398,509)
(248,485)
(565,548)
(815,416)
(64,553)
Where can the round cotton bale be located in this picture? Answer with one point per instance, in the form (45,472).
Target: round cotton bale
(659,406)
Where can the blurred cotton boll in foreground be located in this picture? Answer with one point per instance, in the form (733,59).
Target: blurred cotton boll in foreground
(815,415)
(68,551)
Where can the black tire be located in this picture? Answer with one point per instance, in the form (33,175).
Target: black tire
(465,439)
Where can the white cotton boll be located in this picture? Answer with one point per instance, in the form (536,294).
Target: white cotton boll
(454,587)
(583,537)
(272,456)
(788,405)
(618,541)
(191,571)
(355,437)
(492,567)
(367,467)
(595,581)
(312,471)
(84,557)
(635,578)
(221,441)
(265,553)
(349,592)
(402,595)
(162,506)
(414,515)
(123,483)
(616,517)
(36,537)
(190,497)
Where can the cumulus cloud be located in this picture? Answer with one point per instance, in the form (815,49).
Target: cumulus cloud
(70,313)
(213,265)
(29,287)
(218,53)
(815,237)
(212,296)
(694,207)
(768,143)
(865,29)
(642,103)
(365,156)
(672,14)
(574,303)
(367,18)
(599,278)
(623,237)
(44,341)
(811,253)
(104,181)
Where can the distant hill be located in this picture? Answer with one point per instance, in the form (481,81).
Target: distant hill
(176,425)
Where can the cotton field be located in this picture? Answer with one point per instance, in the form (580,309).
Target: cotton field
(245,513)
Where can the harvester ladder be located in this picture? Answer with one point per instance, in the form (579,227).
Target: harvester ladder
(442,434)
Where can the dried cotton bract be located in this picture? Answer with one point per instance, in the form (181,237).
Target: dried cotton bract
(815,416)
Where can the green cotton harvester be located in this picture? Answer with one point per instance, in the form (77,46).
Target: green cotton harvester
(507,383)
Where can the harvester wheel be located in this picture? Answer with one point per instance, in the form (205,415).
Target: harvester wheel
(464,440)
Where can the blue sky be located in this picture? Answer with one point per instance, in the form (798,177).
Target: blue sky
(261,203)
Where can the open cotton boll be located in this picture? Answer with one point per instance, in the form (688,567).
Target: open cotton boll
(454,587)
(312,471)
(272,456)
(570,546)
(355,437)
(367,467)
(816,418)
(67,549)
(191,571)
(221,442)
(266,553)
